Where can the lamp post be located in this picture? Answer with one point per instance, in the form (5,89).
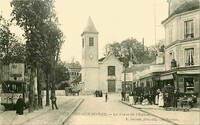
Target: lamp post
(125,64)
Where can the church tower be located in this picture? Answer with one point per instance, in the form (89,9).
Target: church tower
(90,65)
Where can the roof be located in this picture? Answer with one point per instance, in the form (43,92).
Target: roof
(101,60)
(137,67)
(187,6)
(90,28)
(73,66)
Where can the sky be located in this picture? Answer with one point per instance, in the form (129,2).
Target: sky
(115,20)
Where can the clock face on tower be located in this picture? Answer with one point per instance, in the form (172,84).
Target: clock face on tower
(91,56)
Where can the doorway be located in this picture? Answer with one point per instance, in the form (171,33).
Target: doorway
(111,86)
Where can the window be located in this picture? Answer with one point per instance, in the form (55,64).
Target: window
(189,29)
(189,84)
(111,70)
(189,54)
(91,41)
(82,42)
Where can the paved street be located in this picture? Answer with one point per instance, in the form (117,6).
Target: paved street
(44,116)
(92,110)
(97,111)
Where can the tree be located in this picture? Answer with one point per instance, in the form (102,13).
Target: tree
(43,37)
(135,51)
(10,45)
(61,73)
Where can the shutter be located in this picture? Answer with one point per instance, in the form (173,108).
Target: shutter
(182,30)
(196,54)
(196,34)
(196,84)
(181,85)
(182,58)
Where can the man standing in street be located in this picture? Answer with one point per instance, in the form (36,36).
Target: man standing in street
(106,97)
(53,101)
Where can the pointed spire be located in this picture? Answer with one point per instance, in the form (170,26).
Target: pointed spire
(90,28)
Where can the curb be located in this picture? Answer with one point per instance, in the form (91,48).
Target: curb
(73,110)
(150,113)
(193,110)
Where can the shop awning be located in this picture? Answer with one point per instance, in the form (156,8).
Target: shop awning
(166,77)
(189,72)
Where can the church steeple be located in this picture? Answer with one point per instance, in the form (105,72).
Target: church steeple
(90,28)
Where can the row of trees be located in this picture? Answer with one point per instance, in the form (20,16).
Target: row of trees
(132,50)
(41,50)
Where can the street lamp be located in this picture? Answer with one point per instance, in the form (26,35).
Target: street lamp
(125,64)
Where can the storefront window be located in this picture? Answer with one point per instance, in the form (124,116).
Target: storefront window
(189,85)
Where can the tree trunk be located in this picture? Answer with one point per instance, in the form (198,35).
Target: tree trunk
(31,92)
(40,102)
(47,90)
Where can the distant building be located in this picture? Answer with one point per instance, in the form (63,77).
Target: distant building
(182,48)
(98,74)
(74,71)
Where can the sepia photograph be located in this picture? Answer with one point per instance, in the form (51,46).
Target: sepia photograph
(99,62)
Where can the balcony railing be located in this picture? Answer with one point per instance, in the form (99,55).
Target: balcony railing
(191,35)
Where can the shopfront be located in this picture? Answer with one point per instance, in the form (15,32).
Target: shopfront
(185,79)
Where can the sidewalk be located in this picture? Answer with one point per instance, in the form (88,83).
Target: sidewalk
(156,107)
(48,116)
(174,117)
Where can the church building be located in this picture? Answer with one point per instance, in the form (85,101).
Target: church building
(98,74)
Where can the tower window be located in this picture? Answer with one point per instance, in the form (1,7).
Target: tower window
(189,29)
(111,70)
(91,41)
(82,42)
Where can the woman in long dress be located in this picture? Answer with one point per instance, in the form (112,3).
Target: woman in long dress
(157,96)
(161,100)
(20,104)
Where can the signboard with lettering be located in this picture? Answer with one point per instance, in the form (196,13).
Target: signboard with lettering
(16,72)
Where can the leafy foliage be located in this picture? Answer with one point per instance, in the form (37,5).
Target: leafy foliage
(11,48)
(43,37)
(136,52)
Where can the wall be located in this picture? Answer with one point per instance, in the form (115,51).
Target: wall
(179,43)
(110,61)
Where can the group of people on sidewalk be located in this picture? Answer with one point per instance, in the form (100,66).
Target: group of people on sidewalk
(168,97)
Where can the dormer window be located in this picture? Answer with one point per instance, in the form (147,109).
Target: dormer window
(188,29)
(91,41)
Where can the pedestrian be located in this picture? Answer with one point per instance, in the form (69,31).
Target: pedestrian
(167,100)
(96,93)
(53,101)
(106,97)
(175,98)
(161,99)
(192,101)
(157,96)
(20,104)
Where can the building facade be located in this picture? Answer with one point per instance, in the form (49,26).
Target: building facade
(182,47)
(98,74)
